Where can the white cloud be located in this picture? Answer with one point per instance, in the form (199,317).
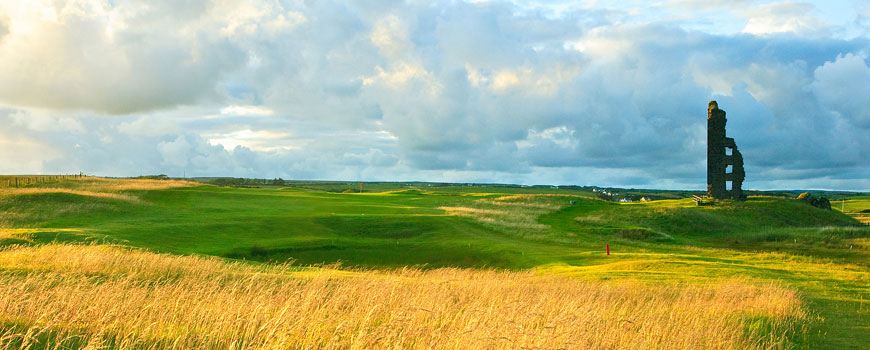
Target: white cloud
(43,121)
(400,74)
(23,155)
(176,153)
(783,17)
(246,110)
(492,91)
(4,24)
(390,35)
(841,86)
(127,57)
(261,140)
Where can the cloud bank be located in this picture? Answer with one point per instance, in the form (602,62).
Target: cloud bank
(482,91)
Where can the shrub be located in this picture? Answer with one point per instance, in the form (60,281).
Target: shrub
(820,202)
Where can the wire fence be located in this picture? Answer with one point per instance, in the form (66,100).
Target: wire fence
(7,181)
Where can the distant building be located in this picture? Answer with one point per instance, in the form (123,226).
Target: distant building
(625,200)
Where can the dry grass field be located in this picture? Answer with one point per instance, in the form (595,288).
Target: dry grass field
(95,296)
(44,190)
(91,183)
(97,187)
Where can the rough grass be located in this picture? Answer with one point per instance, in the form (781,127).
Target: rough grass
(44,190)
(100,184)
(68,195)
(96,187)
(517,211)
(57,296)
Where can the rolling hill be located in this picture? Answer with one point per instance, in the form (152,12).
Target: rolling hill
(822,255)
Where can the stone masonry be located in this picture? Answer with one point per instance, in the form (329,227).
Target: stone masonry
(718,158)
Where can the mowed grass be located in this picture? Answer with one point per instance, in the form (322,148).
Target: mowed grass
(821,257)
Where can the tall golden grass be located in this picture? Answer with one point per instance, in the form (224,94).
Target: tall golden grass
(91,183)
(41,190)
(57,296)
(97,187)
(99,184)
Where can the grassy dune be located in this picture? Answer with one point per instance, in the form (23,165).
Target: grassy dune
(62,296)
(765,273)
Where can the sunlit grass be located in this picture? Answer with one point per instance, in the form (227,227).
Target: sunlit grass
(43,190)
(100,184)
(858,208)
(517,211)
(660,249)
(96,187)
(110,296)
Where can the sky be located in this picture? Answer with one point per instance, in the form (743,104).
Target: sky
(596,93)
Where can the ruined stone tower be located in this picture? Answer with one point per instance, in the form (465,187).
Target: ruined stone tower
(718,158)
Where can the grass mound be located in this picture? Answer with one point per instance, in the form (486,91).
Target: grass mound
(678,219)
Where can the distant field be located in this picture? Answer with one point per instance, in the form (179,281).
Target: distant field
(776,272)
(856,207)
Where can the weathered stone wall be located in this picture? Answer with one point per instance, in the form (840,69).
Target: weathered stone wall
(718,160)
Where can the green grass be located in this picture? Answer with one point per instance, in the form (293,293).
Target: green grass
(824,254)
(857,207)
